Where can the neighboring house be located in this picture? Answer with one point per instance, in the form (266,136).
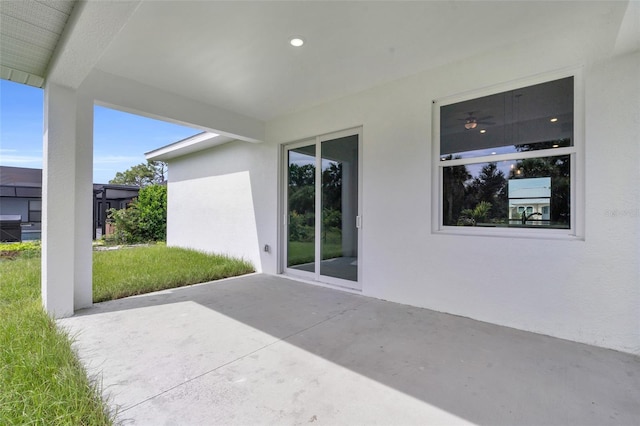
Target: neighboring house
(530,201)
(110,196)
(339,162)
(21,194)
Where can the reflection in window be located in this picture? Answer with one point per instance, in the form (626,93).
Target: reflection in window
(505,159)
(534,193)
(532,118)
(301,208)
(517,193)
(339,239)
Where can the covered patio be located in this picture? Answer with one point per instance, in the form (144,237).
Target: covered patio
(264,349)
(384,71)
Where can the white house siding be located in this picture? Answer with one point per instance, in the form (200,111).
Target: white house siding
(585,289)
(220,201)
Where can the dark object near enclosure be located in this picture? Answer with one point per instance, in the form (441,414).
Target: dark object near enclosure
(107,196)
(10,230)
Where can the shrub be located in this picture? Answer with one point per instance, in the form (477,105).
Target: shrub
(145,219)
(126,224)
(470,217)
(24,249)
(152,208)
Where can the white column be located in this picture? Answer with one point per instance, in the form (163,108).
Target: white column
(66,198)
(83,277)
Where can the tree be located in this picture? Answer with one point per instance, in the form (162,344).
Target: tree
(146,217)
(454,179)
(153,172)
(332,200)
(302,188)
(302,175)
(301,202)
(152,208)
(490,186)
(332,186)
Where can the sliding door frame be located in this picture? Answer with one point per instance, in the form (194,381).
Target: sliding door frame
(284,188)
(315,276)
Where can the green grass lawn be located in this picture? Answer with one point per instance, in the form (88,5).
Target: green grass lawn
(299,253)
(127,272)
(41,380)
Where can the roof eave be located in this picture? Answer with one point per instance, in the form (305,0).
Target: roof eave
(199,142)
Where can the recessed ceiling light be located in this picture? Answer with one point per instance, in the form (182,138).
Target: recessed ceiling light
(296,41)
(553,120)
(493,153)
(555,145)
(483,131)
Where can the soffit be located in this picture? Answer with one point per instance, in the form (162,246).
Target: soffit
(29,33)
(235,55)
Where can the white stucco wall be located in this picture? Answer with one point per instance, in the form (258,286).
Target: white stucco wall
(221,201)
(586,289)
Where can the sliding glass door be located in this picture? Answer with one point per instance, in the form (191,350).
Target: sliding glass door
(322,209)
(339,185)
(301,208)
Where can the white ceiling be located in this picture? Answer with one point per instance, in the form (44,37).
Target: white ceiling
(235,55)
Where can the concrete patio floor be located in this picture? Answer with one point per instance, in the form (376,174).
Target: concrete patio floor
(261,349)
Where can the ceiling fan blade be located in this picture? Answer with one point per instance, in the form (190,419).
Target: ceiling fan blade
(488,123)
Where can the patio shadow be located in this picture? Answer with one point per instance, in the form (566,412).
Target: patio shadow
(265,349)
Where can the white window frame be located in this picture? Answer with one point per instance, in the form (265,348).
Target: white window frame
(576,153)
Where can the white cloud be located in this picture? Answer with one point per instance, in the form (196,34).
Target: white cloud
(20,160)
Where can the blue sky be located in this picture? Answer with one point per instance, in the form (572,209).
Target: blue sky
(119,139)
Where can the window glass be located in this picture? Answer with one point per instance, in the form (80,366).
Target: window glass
(301,208)
(506,159)
(35,211)
(518,193)
(532,118)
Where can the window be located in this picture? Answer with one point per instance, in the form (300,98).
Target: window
(507,159)
(35,211)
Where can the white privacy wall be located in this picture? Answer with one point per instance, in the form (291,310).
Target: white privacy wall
(222,201)
(587,290)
